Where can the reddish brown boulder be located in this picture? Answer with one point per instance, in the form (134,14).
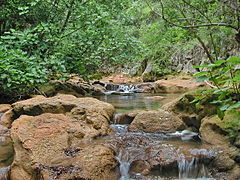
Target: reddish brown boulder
(156,121)
(49,134)
(48,143)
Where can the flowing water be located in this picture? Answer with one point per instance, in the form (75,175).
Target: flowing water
(124,98)
(159,156)
(153,156)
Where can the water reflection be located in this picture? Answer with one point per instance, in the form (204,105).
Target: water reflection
(137,101)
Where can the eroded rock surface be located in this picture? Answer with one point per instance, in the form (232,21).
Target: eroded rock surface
(48,134)
(213,131)
(156,121)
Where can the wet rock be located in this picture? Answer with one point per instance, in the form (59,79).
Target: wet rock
(150,156)
(112,87)
(7,118)
(126,118)
(4,108)
(6,147)
(147,87)
(156,121)
(122,119)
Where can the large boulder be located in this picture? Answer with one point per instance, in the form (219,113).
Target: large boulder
(156,121)
(50,145)
(88,110)
(50,138)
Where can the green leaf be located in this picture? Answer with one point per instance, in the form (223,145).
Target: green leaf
(219,62)
(202,78)
(233,59)
(196,99)
(201,73)
(224,107)
(200,66)
(234,106)
(220,114)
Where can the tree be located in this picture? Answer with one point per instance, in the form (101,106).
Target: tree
(201,18)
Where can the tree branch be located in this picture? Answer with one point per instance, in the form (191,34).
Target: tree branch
(162,15)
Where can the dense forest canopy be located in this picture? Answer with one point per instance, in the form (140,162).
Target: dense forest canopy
(42,38)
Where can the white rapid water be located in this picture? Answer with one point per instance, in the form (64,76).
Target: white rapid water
(123,159)
(191,169)
(4,173)
(126,88)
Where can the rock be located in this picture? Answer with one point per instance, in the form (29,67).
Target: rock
(43,143)
(147,87)
(7,118)
(155,97)
(122,118)
(6,147)
(88,110)
(126,118)
(4,108)
(49,133)
(189,112)
(213,132)
(147,75)
(121,79)
(176,86)
(75,86)
(156,122)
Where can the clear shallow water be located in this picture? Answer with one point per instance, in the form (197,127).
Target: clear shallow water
(137,101)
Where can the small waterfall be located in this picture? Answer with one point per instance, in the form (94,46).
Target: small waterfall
(126,88)
(123,159)
(191,169)
(4,173)
(1,114)
(120,88)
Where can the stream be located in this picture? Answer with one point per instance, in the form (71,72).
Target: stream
(149,156)
(155,156)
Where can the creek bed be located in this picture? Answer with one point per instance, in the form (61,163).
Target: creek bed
(155,156)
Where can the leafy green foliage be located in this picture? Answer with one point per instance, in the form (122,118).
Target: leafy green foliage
(18,72)
(42,38)
(225,76)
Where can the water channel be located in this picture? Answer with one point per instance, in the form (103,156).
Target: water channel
(155,156)
(152,156)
